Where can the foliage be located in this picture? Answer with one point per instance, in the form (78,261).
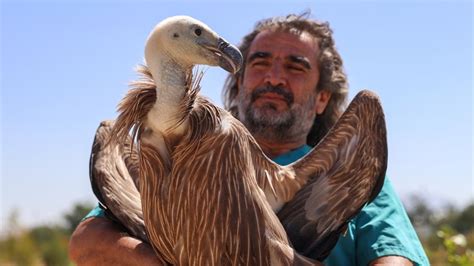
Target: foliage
(458,254)
(40,245)
(74,217)
(464,221)
(18,247)
(51,242)
(19,250)
(446,235)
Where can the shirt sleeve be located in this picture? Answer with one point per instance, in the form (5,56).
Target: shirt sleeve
(96,212)
(383,228)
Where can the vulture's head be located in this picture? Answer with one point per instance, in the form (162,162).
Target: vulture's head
(190,42)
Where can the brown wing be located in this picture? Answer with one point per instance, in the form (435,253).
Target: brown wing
(112,170)
(279,183)
(347,170)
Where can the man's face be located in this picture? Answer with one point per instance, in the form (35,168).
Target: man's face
(277,94)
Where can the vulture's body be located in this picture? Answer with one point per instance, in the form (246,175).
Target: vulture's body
(208,208)
(204,183)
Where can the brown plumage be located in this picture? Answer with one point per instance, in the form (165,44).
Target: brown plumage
(205,183)
(113,171)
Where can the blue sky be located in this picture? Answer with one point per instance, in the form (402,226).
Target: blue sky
(66,65)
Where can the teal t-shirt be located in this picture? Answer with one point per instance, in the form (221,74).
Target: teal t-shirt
(96,212)
(382,228)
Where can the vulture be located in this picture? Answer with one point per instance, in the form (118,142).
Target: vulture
(187,177)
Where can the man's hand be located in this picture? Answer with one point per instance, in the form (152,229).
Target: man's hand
(98,241)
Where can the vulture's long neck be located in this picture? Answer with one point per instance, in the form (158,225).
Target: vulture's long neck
(171,81)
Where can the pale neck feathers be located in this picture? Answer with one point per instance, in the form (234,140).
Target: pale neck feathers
(171,79)
(142,98)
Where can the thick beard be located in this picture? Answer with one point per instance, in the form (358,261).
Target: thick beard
(269,123)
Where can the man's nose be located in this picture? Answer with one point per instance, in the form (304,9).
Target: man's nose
(275,75)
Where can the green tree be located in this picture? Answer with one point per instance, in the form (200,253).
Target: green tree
(457,254)
(52,244)
(40,245)
(74,217)
(447,233)
(420,212)
(464,222)
(18,247)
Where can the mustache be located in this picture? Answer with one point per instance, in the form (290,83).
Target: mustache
(287,96)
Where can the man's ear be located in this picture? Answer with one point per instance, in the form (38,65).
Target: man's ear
(322,100)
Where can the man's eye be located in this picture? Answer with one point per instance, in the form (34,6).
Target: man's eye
(260,63)
(295,68)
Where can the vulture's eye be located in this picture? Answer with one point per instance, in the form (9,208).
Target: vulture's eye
(198,31)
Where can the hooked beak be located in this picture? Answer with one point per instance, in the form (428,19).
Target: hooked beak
(228,56)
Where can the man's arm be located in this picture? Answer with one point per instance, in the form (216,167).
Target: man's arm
(391,260)
(98,241)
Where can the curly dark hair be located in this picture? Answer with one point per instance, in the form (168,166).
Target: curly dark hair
(332,75)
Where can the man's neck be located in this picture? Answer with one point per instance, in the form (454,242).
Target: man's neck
(273,149)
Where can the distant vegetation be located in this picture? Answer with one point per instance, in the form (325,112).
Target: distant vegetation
(447,236)
(40,245)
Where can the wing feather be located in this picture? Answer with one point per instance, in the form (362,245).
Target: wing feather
(346,170)
(113,171)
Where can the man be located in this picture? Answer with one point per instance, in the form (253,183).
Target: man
(290,91)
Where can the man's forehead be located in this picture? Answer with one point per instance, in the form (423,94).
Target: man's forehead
(302,35)
(302,44)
